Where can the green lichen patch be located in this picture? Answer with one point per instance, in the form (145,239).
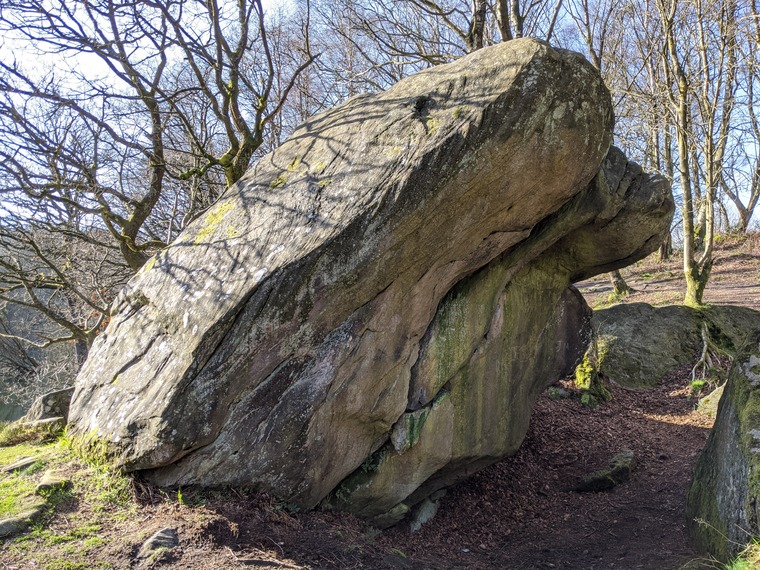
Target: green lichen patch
(590,382)
(212,220)
(407,431)
(278,182)
(459,111)
(432,124)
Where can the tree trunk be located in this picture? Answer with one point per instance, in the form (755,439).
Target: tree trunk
(502,19)
(619,285)
(477,25)
(666,249)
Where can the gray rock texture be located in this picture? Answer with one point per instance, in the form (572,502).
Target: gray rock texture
(164,539)
(369,315)
(638,345)
(723,505)
(51,405)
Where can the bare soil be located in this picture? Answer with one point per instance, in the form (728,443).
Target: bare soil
(734,279)
(519,513)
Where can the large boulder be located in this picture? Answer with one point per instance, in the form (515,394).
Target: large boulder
(386,293)
(500,337)
(723,504)
(637,345)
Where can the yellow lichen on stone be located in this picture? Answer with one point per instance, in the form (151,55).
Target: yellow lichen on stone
(318,167)
(278,182)
(293,166)
(149,264)
(212,220)
(432,124)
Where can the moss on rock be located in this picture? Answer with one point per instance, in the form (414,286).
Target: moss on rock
(723,505)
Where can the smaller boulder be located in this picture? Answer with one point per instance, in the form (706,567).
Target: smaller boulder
(51,405)
(19,465)
(163,540)
(618,471)
(51,480)
(31,510)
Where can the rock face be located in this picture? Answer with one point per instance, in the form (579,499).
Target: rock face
(723,505)
(371,312)
(52,405)
(638,345)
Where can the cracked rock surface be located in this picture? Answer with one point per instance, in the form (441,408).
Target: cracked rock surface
(369,315)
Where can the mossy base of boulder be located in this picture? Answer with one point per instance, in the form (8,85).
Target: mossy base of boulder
(723,504)
(589,381)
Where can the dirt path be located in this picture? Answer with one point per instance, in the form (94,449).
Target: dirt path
(734,280)
(523,512)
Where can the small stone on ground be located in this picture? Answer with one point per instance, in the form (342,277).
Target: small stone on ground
(164,539)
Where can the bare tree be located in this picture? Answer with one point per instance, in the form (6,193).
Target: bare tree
(121,122)
(702,93)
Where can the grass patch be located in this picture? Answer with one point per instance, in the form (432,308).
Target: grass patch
(14,433)
(96,502)
(16,491)
(749,559)
(9,455)
(17,487)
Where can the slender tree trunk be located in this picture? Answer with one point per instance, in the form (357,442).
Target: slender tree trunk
(502,19)
(515,18)
(81,349)
(666,248)
(477,25)
(619,285)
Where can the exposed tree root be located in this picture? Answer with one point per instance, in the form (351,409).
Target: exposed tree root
(710,357)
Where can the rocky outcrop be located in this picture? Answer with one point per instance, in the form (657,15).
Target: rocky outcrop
(51,405)
(371,312)
(499,339)
(635,343)
(723,505)
(638,345)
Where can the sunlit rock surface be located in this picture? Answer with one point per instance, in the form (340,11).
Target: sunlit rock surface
(371,312)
